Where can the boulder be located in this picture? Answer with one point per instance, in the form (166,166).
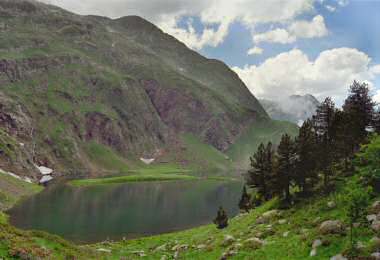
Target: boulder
(376,255)
(375,208)
(331,204)
(371,218)
(338,257)
(201,246)
(285,234)
(271,214)
(376,226)
(228,240)
(375,243)
(313,252)
(316,243)
(282,221)
(331,227)
(254,243)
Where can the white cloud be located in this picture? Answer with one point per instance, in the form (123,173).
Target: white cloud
(375,69)
(330,8)
(276,36)
(376,97)
(255,51)
(299,29)
(212,13)
(288,73)
(314,29)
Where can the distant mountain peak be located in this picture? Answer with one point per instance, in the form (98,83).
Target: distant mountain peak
(295,108)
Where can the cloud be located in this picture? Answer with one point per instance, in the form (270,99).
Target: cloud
(288,73)
(275,36)
(376,97)
(316,28)
(255,51)
(330,8)
(213,14)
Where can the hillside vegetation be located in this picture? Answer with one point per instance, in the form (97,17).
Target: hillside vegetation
(264,233)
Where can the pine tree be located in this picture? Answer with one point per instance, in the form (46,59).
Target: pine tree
(323,125)
(306,166)
(259,176)
(360,109)
(284,174)
(245,203)
(343,139)
(221,219)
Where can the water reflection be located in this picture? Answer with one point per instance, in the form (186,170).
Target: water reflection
(92,214)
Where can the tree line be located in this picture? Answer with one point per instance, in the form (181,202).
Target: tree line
(325,145)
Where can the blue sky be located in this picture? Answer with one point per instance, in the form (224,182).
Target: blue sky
(295,46)
(356,25)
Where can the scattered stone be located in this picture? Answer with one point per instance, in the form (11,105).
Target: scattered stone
(228,254)
(139,253)
(331,227)
(254,243)
(313,252)
(179,247)
(338,257)
(316,220)
(282,221)
(271,214)
(228,240)
(104,250)
(360,245)
(201,247)
(376,207)
(286,234)
(376,225)
(261,220)
(316,243)
(375,243)
(161,248)
(371,218)
(237,246)
(331,204)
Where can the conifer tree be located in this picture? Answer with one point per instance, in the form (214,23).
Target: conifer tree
(284,174)
(323,125)
(306,166)
(259,176)
(245,203)
(221,220)
(360,109)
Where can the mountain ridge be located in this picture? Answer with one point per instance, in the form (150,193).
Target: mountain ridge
(121,83)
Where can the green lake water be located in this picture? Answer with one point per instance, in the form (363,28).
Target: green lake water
(130,210)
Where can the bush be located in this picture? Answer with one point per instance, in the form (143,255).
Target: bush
(367,163)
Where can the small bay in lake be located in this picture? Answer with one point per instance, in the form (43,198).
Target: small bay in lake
(96,213)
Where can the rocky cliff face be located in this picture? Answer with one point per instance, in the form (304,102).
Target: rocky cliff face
(122,83)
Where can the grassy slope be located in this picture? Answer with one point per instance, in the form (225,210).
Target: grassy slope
(12,189)
(262,132)
(132,178)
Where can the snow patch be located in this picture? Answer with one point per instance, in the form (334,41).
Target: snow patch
(45,170)
(147,161)
(45,179)
(26,179)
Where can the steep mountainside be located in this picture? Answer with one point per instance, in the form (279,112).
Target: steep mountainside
(295,109)
(73,88)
